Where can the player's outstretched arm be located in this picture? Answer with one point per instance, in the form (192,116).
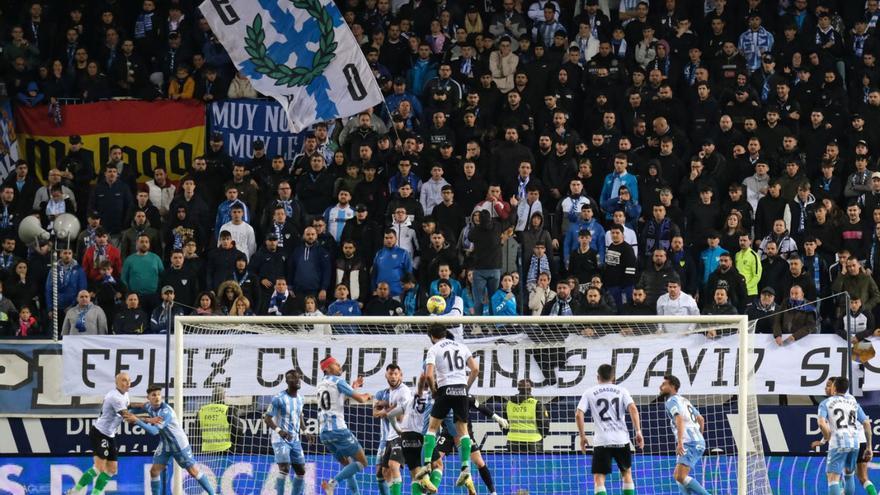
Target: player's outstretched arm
(132,419)
(869,446)
(488,413)
(637,424)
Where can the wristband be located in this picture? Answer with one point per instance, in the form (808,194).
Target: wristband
(278,430)
(823,441)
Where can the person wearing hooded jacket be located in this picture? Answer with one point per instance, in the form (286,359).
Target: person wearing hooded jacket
(799,212)
(785,245)
(71,280)
(727,277)
(486,256)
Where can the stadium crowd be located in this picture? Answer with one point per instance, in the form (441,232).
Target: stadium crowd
(556,157)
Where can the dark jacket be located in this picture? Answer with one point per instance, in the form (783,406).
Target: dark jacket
(763,317)
(798,319)
(487,243)
(735,284)
(131,321)
(113,203)
(309,269)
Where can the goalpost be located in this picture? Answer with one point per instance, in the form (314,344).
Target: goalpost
(236,365)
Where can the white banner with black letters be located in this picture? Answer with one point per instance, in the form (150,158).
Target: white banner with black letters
(255,365)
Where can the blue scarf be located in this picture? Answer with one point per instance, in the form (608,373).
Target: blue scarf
(6,218)
(801,305)
(143,24)
(81,319)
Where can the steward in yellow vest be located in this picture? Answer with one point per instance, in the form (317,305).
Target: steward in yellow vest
(528,420)
(215,426)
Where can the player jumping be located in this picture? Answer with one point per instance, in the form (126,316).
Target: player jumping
(103,436)
(609,403)
(335,435)
(285,418)
(399,398)
(380,400)
(173,441)
(839,416)
(450,360)
(446,443)
(687,426)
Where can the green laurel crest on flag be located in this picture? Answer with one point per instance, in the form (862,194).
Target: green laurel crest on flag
(293,76)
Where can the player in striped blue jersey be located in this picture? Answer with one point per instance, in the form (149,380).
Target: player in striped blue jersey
(399,398)
(380,399)
(839,416)
(285,420)
(337,438)
(865,451)
(173,441)
(687,426)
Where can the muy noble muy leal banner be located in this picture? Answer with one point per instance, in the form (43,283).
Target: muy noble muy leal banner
(255,365)
(152,134)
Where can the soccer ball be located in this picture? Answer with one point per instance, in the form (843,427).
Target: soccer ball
(436,305)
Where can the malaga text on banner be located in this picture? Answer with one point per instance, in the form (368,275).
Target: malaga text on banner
(154,134)
(299,52)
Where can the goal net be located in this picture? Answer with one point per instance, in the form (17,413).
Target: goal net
(227,369)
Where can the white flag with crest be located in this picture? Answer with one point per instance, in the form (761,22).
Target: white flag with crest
(299,52)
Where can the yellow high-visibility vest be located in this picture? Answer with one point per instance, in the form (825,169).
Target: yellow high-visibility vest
(216,433)
(523,421)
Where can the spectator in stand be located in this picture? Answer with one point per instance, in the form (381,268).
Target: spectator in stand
(100,251)
(383,304)
(26,325)
(141,273)
(71,281)
(282,302)
(242,234)
(113,201)
(207,305)
(620,267)
(486,262)
(858,324)
(857,283)
(139,226)
(748,264)
(763,311)
(162,318)
(728,278)
(676,303)
(220,261)
(309,269)
(85,318)
(797,318)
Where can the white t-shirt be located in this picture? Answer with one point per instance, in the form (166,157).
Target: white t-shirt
(110,419)
(418,413)
(608,404)
(450,362)
(397,397)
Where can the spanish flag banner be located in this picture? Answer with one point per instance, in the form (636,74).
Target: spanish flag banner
(166,134)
